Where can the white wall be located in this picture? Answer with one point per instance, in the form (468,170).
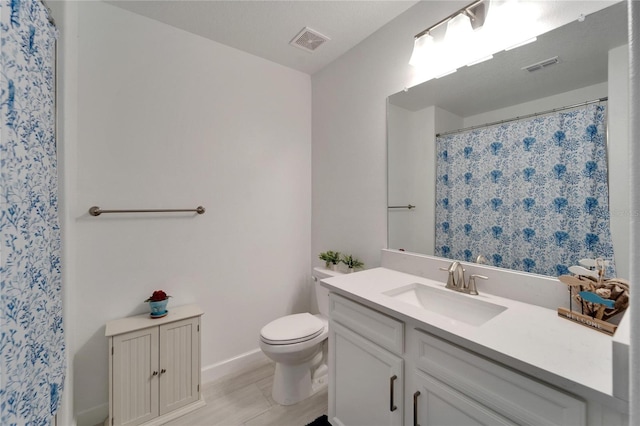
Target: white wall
(349,137)
(167,119)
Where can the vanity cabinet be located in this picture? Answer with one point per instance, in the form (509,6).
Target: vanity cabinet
(461,387)
(378,362)
(434,403)
(154,367)
(367,378)
(368,383)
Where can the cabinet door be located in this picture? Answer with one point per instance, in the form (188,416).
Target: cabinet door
(436,404)
(366,385)
(179,364)
(135,377)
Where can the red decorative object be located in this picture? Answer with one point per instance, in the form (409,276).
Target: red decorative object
(157,296)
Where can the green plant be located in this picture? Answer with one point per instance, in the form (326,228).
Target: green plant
(351,262)
(330,257)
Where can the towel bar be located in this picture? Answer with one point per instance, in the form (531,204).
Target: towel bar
(97,211)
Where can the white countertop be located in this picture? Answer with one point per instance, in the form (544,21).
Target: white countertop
(529,338)
(138,322)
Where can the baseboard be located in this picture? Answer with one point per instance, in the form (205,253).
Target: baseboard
(93,416)
(237,364)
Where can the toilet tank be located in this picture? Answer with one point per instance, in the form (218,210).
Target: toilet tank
(321,299)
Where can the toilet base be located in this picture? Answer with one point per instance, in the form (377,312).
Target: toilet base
(294,383)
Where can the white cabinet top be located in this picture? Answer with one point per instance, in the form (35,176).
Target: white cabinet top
(138,322)
(529,338)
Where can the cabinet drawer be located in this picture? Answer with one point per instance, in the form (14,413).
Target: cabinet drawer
(523,400)
(379,328)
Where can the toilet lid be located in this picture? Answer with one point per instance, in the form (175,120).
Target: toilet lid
(292,329)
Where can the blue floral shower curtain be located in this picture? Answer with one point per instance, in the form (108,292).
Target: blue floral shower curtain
(32,350)
(530,195)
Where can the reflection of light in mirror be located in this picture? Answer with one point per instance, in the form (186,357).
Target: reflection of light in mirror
(446,73)
(486,58)
(531,40)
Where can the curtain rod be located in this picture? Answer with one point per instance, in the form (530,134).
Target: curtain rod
(535,114)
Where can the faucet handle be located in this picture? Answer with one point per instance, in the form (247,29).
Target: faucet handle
(472,289)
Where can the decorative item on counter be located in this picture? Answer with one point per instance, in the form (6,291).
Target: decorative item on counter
(158,304)
(331,259)
(351,262)
(599,298)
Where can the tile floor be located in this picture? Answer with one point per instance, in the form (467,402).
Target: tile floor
(245,399)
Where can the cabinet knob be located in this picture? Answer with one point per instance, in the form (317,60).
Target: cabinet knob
(155,373)
(163,371)
(415,408)
(392,406)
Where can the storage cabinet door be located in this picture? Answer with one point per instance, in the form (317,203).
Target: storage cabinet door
(179,364)
(135,377)
(363,388)
(436,404)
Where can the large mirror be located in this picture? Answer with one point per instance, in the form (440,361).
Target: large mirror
(592,63)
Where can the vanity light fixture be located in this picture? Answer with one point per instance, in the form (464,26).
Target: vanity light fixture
(460,26)
(423,47)
(475,12)
(472,35)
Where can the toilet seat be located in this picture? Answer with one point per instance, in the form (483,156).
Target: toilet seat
(292,329)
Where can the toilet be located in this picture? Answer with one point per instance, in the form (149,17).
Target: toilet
(298,345)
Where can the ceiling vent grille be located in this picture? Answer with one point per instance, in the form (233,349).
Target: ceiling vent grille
(309,40)
(542,64)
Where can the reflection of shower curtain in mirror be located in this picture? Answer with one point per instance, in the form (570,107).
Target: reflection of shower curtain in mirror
(530,195)
(32,347)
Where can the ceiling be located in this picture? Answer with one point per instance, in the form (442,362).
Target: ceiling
(265,28)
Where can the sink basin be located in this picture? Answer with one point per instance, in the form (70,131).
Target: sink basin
(456,306)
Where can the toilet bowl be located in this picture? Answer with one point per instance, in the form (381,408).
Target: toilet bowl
(298,345)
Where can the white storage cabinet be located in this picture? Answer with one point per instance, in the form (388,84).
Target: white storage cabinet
(154,367)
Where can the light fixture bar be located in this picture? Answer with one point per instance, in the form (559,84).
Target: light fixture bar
(468,10)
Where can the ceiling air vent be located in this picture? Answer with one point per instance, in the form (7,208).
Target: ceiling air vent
(542,64)
(308,39)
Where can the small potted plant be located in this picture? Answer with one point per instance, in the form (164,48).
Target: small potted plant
(331,259)
(351,262)
(158,303)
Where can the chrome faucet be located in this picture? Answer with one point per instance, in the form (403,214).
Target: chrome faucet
(456,282)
